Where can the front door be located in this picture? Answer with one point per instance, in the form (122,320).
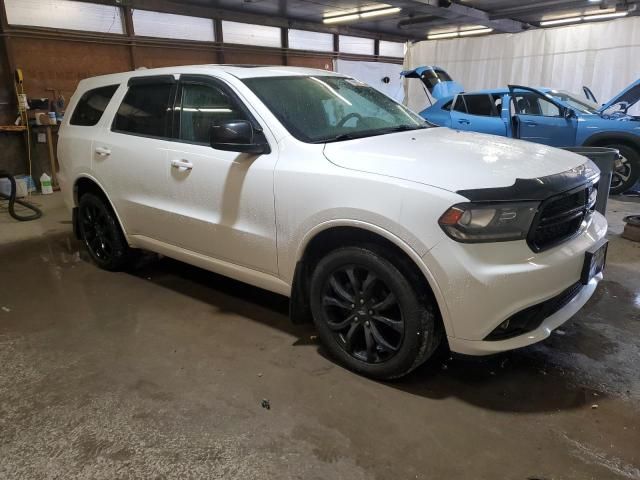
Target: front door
(222,203)
(538,118)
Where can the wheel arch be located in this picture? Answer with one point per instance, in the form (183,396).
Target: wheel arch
(327,237)
(88,184)
(604,138)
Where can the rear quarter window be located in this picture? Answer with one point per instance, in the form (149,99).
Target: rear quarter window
(460,106)
(92,105)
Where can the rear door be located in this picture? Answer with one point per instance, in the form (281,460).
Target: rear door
(538,118)
(221,203)
(129,153)
(477,113)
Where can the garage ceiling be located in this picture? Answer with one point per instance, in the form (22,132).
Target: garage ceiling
(417,18)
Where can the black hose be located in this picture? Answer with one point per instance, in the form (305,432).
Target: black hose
(13,200)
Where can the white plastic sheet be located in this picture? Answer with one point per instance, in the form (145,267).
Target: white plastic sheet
(167,25)
(373,73)
(604,56)
(67,14)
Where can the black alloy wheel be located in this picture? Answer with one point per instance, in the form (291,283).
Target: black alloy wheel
(626,170)
(363,314)
(372,311)
(101,233)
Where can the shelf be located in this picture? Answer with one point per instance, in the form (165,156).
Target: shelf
(12,128)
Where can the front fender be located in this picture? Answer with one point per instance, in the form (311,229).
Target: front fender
(415,256)
(601,138)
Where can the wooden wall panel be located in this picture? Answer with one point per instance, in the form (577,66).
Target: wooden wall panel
(7,94)
(153,57)
(61,64)
(252,57)
(324,63)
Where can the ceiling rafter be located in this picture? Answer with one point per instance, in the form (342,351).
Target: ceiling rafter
(458,13)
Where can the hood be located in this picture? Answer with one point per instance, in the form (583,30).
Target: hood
(436,80)
(627,98)
(451,159)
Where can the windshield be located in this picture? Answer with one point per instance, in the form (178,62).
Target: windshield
(318,109)
(582,105)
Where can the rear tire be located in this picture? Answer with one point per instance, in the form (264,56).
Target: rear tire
(101,233)
(370,316)
(627,172)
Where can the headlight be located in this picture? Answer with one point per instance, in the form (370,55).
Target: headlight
(488,222)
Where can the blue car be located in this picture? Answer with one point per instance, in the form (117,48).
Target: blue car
(542,115)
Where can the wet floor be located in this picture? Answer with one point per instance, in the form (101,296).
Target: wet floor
(161,373)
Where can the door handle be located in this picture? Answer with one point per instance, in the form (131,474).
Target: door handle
(182,165)
(464,121)
(530,123)
(103,151)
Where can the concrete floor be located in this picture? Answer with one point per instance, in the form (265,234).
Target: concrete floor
(161,373)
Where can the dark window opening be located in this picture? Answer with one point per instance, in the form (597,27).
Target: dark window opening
(146,110)
(92,105)
(202,106)
(460,106)
(497,101)
(480,105)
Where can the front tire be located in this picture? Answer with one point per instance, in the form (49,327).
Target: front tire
(627,171)
(101,233)
(370,316)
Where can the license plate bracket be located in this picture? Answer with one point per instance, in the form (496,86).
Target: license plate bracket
(595,260)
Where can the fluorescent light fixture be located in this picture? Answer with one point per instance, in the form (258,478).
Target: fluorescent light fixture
(586,18)
(436,36)
(476,31)
(384,11)
(351,15)
(464,33)
(341,18)
(603,16)
(560,21)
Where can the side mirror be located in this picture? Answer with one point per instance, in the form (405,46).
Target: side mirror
(568,113)
(237,136)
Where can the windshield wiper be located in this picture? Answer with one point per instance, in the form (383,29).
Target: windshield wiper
(344,136)
(371,133)
(403,128)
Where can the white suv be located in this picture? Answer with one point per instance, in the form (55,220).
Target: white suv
(392,234)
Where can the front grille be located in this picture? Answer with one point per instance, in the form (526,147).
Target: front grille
(530,318)
(560,218)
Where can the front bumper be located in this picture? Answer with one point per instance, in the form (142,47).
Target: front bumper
(484,284)
(483,347)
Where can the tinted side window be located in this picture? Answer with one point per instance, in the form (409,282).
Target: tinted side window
(146,110)
(92,105)
(460,106)
(532,104)
(447,106)
(203,105)
(479,105)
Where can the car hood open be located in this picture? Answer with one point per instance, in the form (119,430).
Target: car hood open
(451,159)
(629,97)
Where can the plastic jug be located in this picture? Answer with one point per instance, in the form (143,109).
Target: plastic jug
(45,184)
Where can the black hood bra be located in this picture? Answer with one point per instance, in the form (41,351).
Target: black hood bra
(539,188)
